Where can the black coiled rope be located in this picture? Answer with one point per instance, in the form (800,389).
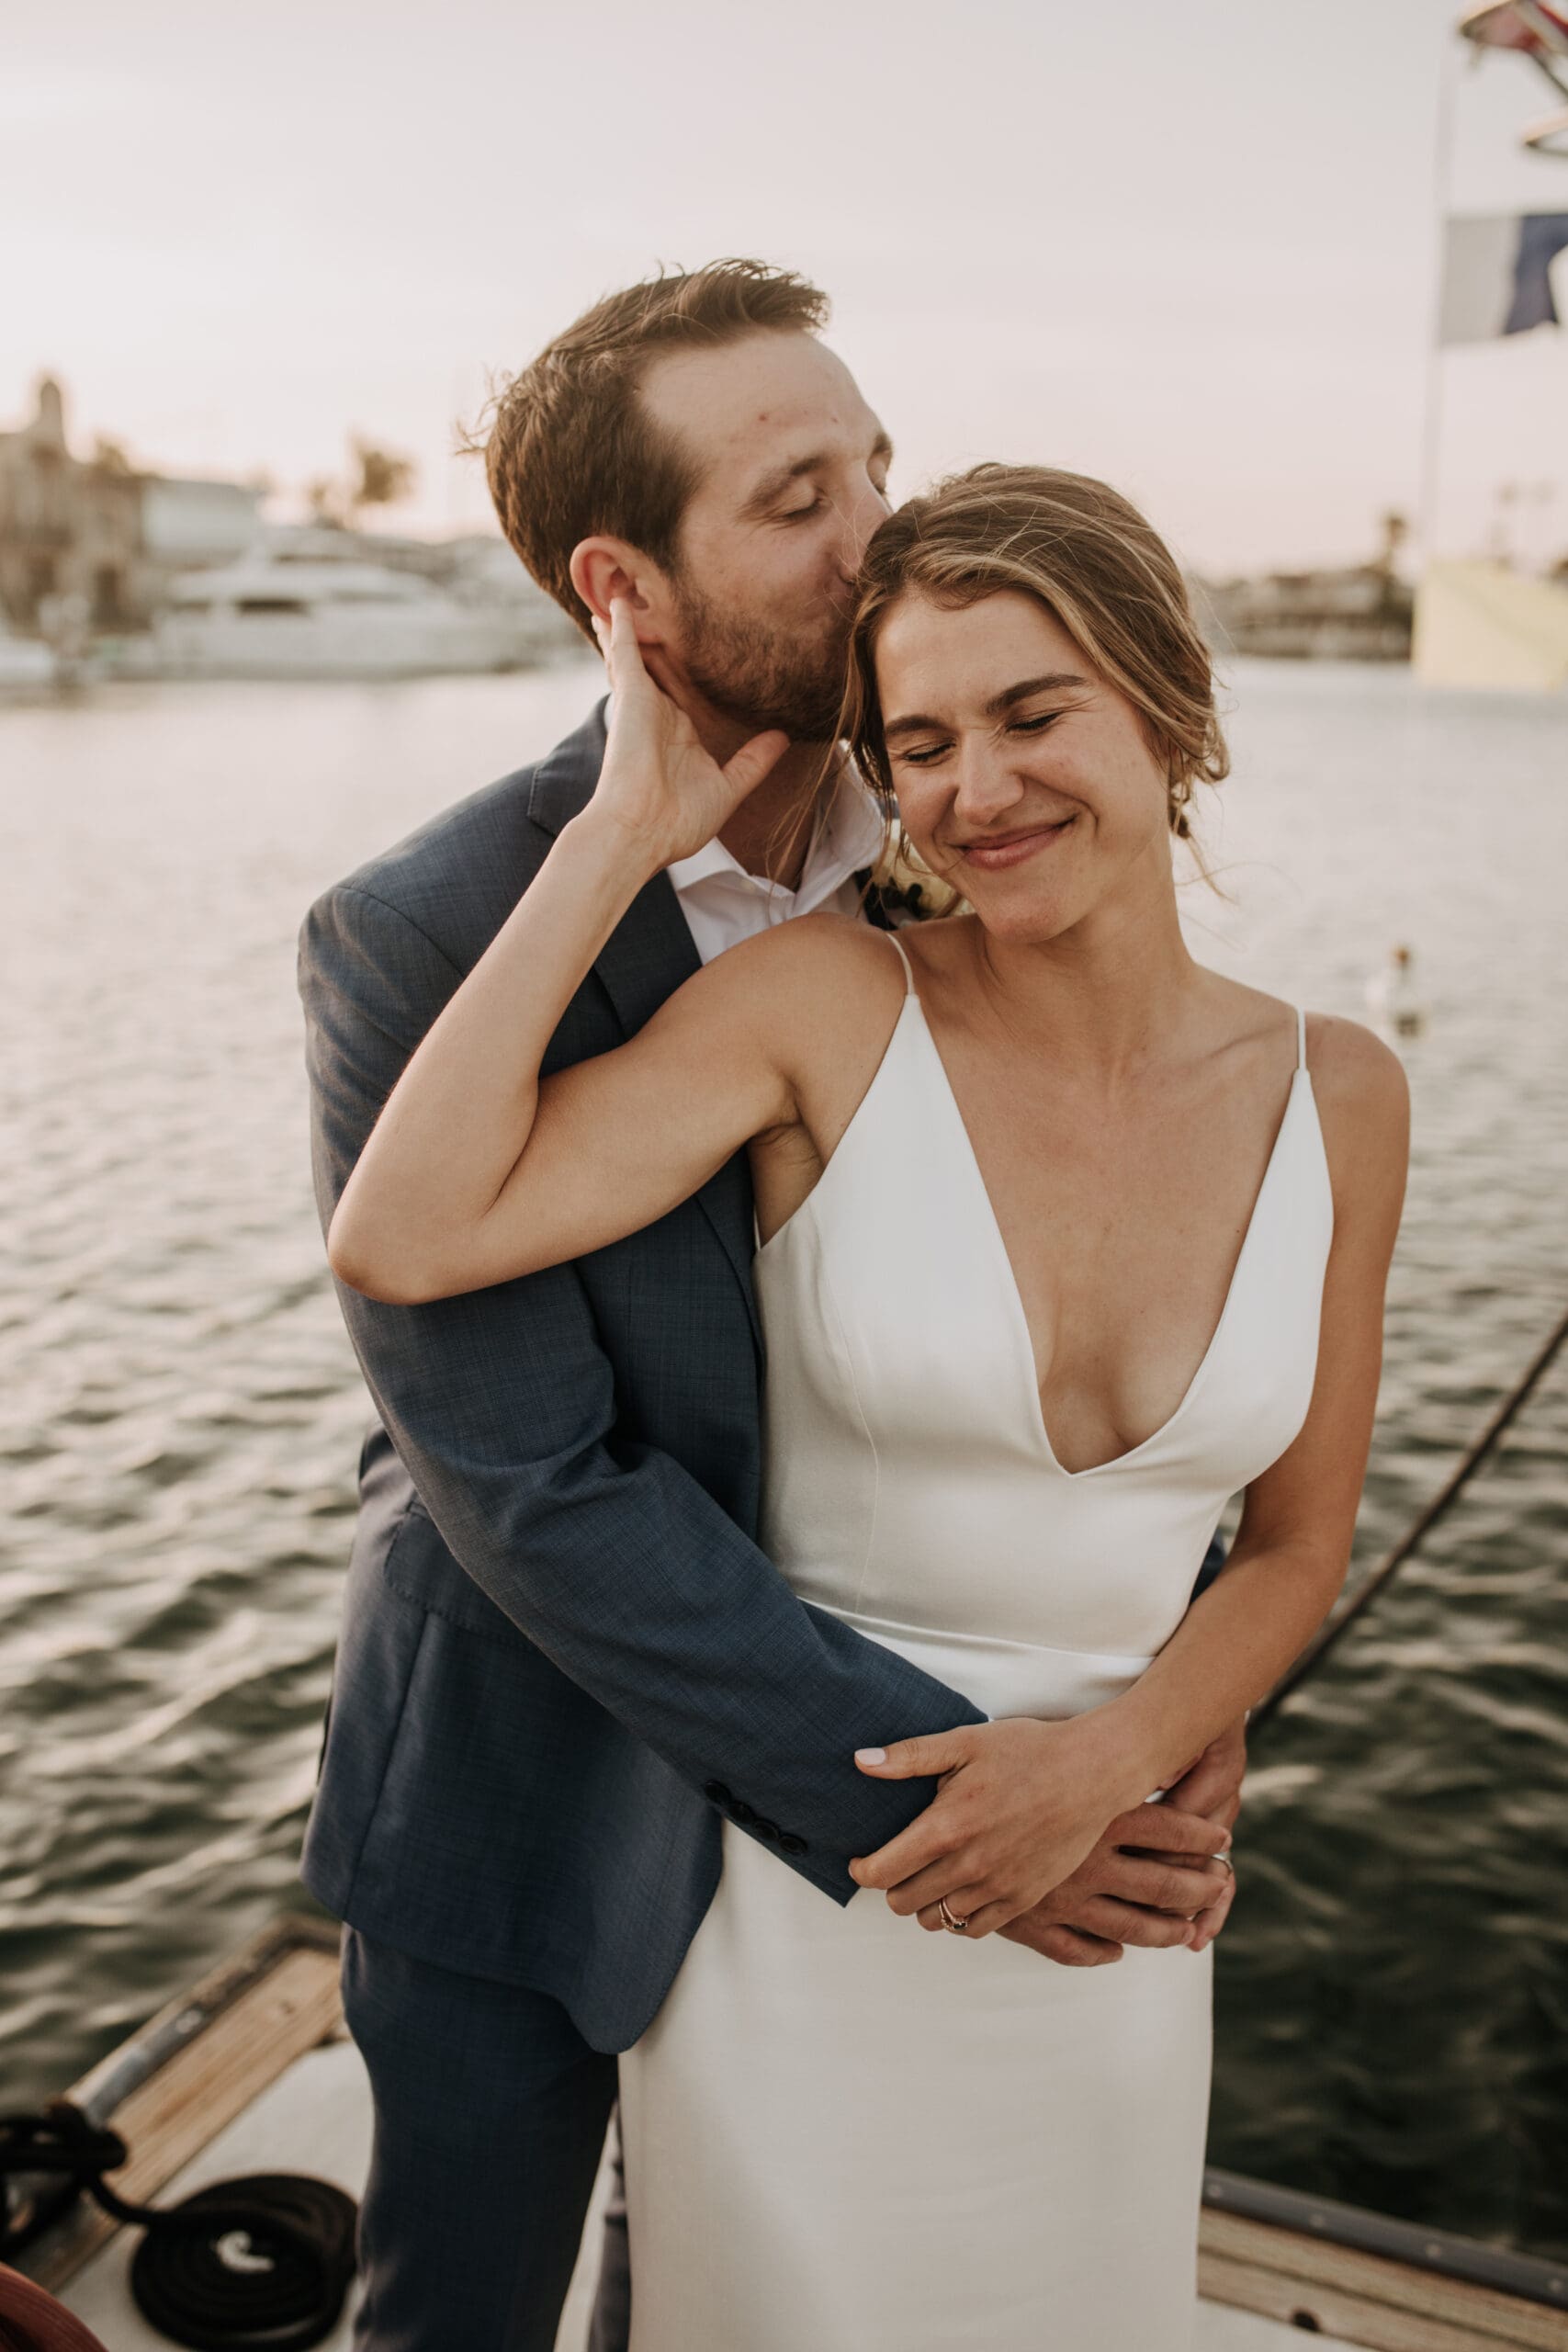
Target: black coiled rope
(262,2262)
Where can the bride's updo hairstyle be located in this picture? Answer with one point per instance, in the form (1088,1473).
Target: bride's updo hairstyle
(1086,554)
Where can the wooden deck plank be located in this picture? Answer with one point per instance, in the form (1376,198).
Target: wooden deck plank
(1387,2306)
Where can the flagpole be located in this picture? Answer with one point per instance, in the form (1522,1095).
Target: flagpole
(1431,458)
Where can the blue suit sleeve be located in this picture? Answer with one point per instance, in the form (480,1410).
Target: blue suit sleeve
(610,1556)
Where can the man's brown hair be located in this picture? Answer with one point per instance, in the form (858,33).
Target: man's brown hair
(570,449)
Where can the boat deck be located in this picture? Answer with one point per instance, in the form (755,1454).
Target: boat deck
(252,2074)
(321,2105)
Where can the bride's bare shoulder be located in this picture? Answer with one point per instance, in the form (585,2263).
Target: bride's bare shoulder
(1347,1060)
(1349,1064)
(1357,1083)
(815,971)
(1363,1105)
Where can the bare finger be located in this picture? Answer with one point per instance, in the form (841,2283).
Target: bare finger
(1213,1781)
(944,1877)
(1080,1952)
(1209,1922)
(926,1841)
(754,760)
(983,1919)
(1052,1940)
(624,660)
(1161,1884)
(1168,1828)
(1131,1922)
(963,1902)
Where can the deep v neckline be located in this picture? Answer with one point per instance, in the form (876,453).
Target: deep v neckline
(1301,1080)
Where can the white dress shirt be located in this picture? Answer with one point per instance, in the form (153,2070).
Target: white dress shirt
(723,903)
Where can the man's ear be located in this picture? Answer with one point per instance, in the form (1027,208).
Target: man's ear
(603,568)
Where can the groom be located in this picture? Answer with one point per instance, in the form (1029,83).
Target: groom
(564,1657)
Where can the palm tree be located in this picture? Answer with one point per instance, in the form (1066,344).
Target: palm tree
(383,477)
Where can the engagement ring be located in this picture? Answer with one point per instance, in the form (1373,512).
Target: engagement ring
(950,1919)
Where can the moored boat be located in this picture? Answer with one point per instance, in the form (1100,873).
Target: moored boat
(271,617)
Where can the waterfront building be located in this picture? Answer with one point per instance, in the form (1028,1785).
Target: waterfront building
(89,546)
(1358,612)
(1361,612)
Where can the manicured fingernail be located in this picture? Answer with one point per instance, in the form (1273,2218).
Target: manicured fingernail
(871,1756)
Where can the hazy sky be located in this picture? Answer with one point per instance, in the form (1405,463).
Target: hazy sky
(1190,247)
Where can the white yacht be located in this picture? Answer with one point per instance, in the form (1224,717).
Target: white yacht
(271,616)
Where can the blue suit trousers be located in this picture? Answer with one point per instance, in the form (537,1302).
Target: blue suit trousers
(490,2118)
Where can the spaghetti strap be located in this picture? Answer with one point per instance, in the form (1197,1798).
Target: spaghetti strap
(902,954)
(1300,1039)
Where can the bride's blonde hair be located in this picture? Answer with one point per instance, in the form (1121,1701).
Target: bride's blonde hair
(1085,552)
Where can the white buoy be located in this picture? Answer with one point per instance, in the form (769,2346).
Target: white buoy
(1394,996)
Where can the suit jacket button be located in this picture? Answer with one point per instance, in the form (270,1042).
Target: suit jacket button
(790,1843)
(741,1812)
(765,1829)
(716,1791)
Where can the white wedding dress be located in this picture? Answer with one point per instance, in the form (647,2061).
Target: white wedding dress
(843,2134)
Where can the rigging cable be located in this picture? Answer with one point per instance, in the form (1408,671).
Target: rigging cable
(1349,1609)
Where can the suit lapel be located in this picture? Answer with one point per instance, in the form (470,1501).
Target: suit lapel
(646,959)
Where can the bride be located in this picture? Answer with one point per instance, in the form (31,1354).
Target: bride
(1063,1240)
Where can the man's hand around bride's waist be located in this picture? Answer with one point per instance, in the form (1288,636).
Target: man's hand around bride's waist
(1017,1835)
(1131,1889)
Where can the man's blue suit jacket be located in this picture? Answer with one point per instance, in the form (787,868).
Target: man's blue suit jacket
(563,1656)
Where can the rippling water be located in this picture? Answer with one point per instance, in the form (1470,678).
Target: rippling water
(180,1415)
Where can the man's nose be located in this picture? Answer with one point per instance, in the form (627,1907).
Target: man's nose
(859,518)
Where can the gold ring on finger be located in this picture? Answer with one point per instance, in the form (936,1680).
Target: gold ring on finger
(950,1919)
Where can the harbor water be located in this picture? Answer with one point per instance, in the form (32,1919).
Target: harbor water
(180,1413)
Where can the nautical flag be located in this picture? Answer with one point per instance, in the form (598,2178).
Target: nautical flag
(1505,25)
(1497,274)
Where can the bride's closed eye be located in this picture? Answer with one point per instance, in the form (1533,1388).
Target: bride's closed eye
(923,758)
(929,753)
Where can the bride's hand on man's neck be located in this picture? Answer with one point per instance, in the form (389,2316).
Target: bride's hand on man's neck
(769,833)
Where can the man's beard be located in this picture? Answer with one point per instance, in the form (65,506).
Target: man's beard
(758,676)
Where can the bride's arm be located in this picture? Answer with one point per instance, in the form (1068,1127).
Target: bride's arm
(477,1170)
(1023,1801)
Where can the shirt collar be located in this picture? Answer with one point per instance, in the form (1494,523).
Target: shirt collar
(844,839)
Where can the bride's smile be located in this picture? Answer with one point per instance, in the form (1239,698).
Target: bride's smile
(993,850)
